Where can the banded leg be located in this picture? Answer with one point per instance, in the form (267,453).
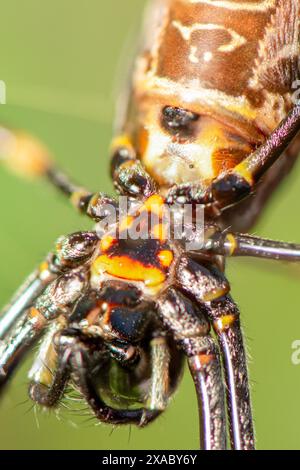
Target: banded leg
(59,298)
(70,251)
(81,357)
(128,174)
(97,206)
(51,371)
(243,216)
(239,182)
(224,316)
(209,288)
(24,297)
(237,244)
(234,185)
(160,380)
(190,330)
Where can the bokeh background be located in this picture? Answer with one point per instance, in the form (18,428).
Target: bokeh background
(62,61)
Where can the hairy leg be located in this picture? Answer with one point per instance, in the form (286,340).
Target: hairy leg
(224,315)
(128,174)
(50,371)
(243,216)
(237,244)
(70,251)
(59,298)
(25,296)
(191,330)
(239,182)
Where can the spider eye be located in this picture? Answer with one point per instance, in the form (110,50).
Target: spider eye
(178,120)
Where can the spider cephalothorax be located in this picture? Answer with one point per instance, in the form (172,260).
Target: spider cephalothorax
(121,306)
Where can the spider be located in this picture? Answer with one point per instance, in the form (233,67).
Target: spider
(118,316)
(139,306)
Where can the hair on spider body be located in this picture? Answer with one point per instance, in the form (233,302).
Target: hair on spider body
(210,126)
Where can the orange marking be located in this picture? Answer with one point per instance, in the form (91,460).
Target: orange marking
(122,141)
(155,200)
(224,323)
(39,319)
(154,204)
(206,359)
(143,140)
(224,159)
(159,232)
(107,314)
(126,268)
(165,257)
(128,164)
(44,267)
(215,294)
(200,360)
(243,170)
(106,242)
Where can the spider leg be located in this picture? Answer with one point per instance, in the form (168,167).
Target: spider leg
(224,315)
(234,185)
(70,251)
(160,380)
(59,298)
(201,280)
(244,215)
(81,365)
(191,331)
(50,371)
(95,205)
(24,297)
(237,244)
(28,157)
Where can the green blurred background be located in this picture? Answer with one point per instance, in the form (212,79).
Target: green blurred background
(61,61)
